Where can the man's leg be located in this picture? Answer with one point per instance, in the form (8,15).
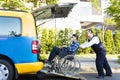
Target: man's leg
(55,51)
(107,68)
(63,53)
(99,65)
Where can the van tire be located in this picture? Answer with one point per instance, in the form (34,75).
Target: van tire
(6,70)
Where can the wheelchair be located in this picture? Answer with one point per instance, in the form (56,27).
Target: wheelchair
(68,65)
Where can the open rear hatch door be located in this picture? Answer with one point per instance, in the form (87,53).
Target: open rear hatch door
(53,11)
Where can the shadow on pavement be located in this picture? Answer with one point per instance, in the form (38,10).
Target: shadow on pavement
(47,77)
(92,76)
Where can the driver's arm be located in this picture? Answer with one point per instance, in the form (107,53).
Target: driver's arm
(95,40)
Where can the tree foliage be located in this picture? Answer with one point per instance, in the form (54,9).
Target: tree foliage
(51,1)
(109,43)
(79,34)
(95,3)
(21,4)
(99,34)
(63,37)
(117,41)
(60,38)
(44,47)
(114,11)
(109,22)
(83,38)
(50,41)
(67,36)
(119,59)
(13,4)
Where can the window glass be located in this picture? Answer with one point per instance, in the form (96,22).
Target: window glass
(45,13)
(10,26)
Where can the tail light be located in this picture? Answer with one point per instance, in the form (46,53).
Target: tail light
(35,47)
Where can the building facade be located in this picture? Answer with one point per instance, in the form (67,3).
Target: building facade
(83,14)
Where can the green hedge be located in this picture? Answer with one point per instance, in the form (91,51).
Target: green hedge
(117,42)
(50,38)
(109,42)
(119,59)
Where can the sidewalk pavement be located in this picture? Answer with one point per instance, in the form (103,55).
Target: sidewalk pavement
(88,65)
(92,76)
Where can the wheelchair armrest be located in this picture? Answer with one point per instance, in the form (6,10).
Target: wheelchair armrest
(69,57)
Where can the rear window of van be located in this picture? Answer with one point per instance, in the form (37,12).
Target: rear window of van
(10,26)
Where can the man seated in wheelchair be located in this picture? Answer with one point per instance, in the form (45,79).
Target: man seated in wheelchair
(65,50)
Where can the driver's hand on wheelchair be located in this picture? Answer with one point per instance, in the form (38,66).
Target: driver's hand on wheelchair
(80,47)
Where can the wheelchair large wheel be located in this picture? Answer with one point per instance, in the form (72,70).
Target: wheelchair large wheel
(69,65)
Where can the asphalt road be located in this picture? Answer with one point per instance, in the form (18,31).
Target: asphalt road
(92,76)
(88,76)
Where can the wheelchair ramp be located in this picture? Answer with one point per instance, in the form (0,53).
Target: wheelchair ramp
(77,77)
(68,67)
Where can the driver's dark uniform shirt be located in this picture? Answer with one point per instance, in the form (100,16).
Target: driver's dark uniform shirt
(98,48)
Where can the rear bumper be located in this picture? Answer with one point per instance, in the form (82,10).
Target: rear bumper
(29,67)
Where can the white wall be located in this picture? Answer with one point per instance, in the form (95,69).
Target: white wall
(72,21)
(82,12)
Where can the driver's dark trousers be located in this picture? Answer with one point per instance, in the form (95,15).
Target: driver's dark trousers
(102,63)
